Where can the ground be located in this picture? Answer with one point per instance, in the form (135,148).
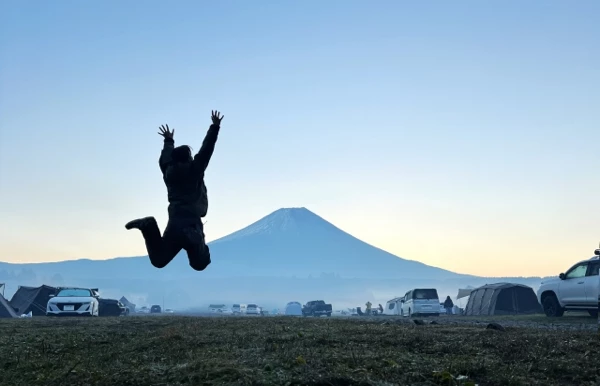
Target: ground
(175,350)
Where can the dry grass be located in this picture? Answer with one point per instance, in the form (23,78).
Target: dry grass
(279,351)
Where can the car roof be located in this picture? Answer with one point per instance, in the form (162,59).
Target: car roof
(70,288)
(590,259)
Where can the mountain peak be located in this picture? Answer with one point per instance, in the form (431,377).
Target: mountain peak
(284,220)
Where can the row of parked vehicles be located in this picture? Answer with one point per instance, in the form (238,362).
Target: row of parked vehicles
(575,290)
(311,308)
(236,309)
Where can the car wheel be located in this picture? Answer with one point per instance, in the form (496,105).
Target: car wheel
(593,313)
(551,306)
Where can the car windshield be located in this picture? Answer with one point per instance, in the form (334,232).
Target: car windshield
(251,306)
(577,272)
(71,292)
(425,294)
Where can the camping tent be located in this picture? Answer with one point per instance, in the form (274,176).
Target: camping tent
(293,308)
(34,299)
(6,311)
(127,304)
(392,307)
(503,299)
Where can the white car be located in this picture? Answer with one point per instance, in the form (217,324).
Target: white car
(215,308)
(239,309)
(420,302)
(73,302)
(252,309)
(575,290)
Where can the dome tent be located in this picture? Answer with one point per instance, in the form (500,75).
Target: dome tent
(293,308)
(502,299)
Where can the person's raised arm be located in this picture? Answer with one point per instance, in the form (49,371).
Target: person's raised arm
(202,158)
(169,144)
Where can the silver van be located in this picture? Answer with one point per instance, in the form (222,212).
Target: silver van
(420,302)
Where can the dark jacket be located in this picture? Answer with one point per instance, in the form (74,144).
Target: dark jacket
(185,181)
(448,303)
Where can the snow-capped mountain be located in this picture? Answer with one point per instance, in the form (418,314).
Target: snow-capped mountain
(296,241)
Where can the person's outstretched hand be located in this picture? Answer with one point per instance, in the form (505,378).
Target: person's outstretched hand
(165,132)
(216,117)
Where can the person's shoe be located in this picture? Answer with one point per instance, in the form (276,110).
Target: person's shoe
(140,223)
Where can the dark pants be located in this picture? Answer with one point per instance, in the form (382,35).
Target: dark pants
(181,233)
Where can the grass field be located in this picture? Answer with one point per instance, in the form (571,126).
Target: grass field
(297,351)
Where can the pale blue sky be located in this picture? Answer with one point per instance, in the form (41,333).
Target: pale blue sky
(461,134)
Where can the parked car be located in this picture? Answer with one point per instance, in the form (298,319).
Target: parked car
(73,302)
(169,311)
(316,308)
(111,307)
(155,309)
(575,290)
(420,302)
(239,309)
(253,309)
(216,308)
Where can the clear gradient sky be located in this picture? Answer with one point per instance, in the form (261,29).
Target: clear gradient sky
(461,134)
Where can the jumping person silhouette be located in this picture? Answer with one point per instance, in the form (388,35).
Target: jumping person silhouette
(188,201)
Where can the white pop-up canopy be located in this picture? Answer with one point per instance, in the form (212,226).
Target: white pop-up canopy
(464,292)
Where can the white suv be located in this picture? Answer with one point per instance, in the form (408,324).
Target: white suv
(73,302)
(575,290)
